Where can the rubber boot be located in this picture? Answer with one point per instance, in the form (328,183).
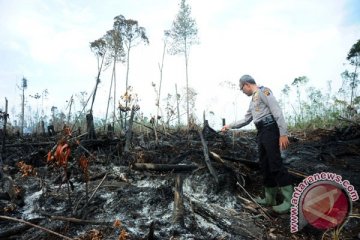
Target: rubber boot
(284,207)
(270,197)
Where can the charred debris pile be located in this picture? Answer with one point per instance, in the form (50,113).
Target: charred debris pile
(193,184)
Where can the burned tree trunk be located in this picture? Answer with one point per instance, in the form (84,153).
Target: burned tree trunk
(5,117)
(36,226)
(90,126)
(17,229)
(178,215)
(42,128)
(110,131)
(51,130)
(207,159)
(227,219)
(129,130)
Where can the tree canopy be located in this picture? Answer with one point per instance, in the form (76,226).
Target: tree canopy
(183,34)
(130,30)
(354,54)
(184,31)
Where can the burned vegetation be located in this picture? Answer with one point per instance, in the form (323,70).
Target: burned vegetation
(175,184)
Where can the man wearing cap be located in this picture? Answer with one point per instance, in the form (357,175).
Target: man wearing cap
(265,111)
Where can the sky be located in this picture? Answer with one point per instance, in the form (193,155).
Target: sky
(275,41)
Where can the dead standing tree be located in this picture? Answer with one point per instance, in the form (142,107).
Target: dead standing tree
(132,35)
(23,87)
(116,54)
(3,116)
(351,78)
(179,209)
(131,100)
(134,108)
(184,34)
(98,47)
(158,92)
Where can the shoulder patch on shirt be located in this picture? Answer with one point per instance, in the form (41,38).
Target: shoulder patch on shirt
(266,91)
(255,96)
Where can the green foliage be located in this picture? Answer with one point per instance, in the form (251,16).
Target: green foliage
(98,47)
(184,31)
(132,35)
(130,31)
(354,54)
(318,109)
(183,34)
(24,83)
(351,79)
(114,45)
(357,100)
(170,107)
(286,90)
(192,99)
(298,83)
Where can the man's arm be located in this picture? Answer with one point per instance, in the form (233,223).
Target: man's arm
(239,124)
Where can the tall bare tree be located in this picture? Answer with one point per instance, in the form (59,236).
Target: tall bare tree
(353,77)
(23,87)
(298,83)
(116,54)
(132,35)
(99,48)
(70,103)
(161,68)
(184,34)
(285,94)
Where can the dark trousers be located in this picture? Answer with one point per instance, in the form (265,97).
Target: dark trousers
(274,172)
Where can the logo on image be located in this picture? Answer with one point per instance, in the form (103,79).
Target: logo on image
(322,200)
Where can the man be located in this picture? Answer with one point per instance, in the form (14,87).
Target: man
(264,110)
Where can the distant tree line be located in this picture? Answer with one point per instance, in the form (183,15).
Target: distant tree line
(321,107)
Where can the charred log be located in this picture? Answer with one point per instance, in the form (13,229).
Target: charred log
(228,220)
(90,126)
(178,214)
(207,159)
(129,130)
(18,229)
(34,225)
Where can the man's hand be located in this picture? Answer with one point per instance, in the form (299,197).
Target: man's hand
(284,142)
(225,128)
